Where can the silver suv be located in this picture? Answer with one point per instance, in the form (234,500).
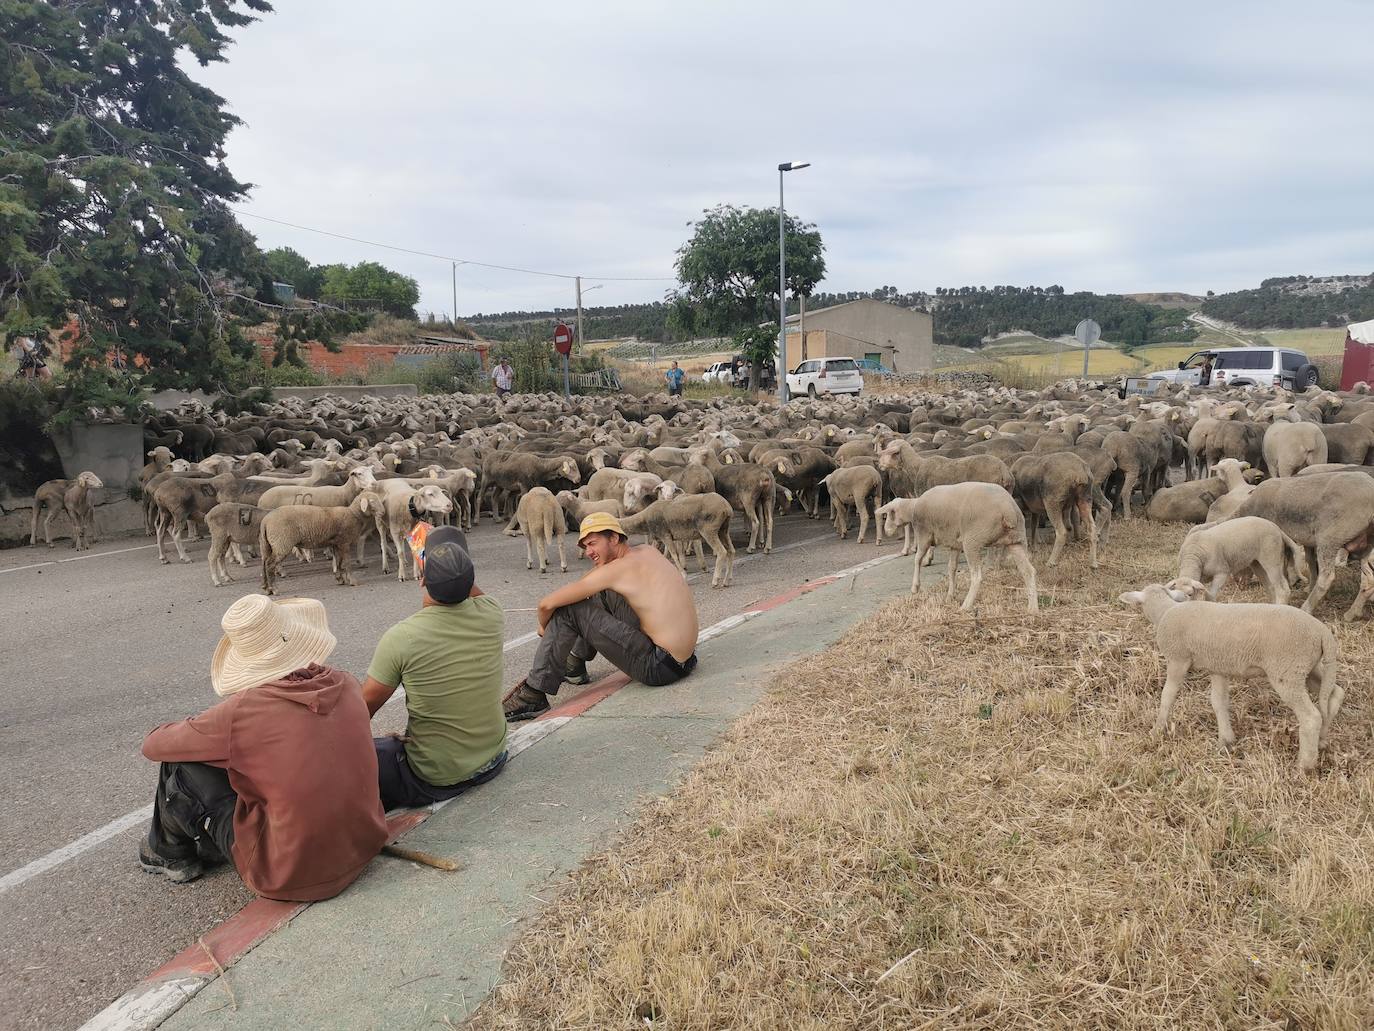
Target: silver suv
(1245,367)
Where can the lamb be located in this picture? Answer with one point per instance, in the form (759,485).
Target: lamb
(1288,446)
(1331,515)
(1239,480)
(52,497)
(577,510)
(231,525)
(1187,502)
(308,527)
(1294,650)
(1218,551)
(639,490)
(970,516)
(859,486)
(689,518)
(541,519)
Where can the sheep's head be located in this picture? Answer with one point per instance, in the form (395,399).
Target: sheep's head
(1191,589)
(667,490)
(432,499)
(1156,593)
(634,460)
(89,479)
(785,467)
(180,465)
(570,471)
(362,476)
(160,456)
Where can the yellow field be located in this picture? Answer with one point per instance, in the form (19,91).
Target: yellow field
(1313,341)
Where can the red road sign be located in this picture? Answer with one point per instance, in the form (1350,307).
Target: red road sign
(562,338)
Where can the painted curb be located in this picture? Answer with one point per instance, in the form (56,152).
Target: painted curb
(176,982)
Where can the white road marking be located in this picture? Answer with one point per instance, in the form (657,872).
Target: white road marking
(82,844)
(77,558)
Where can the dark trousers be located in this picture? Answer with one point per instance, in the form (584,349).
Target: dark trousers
(193,814)
(401,788)
(605,624)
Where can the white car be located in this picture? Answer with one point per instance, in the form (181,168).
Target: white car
(1246,367)
(717,373)
(825,376)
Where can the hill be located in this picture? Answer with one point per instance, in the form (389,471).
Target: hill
(1296,302)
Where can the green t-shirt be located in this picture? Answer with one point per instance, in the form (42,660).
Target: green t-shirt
(449,658)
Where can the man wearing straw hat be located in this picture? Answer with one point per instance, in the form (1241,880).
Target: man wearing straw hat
(281,776)
(634,608)
(450,657)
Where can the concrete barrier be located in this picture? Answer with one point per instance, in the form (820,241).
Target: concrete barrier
(349,393)
(113,451)
(115,516)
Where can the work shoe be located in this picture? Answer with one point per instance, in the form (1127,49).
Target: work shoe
(524,703)
(575,671)
(178,871)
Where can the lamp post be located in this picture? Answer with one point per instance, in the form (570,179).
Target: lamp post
(566,389)
(786,166)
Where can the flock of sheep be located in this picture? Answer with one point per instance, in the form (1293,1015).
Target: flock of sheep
(969,471)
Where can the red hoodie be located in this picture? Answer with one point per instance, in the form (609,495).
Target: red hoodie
(300,756)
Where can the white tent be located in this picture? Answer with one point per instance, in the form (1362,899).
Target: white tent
(1361,332)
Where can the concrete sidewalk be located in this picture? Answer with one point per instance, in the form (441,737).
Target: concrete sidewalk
(408,946)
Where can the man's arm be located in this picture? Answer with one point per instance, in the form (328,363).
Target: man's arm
(203,738)
(600,579)
(376,694)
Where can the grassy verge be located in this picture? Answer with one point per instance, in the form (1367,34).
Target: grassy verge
(954,821)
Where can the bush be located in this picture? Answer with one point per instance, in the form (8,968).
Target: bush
(27,455)
(385,329)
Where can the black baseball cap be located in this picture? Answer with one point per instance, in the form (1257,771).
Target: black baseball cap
(448,571)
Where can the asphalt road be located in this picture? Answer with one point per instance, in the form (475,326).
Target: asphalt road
(99,648)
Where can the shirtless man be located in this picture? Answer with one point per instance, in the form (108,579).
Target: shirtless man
(634,608)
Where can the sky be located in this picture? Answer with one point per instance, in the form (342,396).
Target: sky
(1118,147)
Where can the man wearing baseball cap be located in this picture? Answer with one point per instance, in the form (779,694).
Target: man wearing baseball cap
(449,656)
(634,607)
(281,777)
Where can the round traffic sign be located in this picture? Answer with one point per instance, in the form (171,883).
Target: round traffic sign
(562,338)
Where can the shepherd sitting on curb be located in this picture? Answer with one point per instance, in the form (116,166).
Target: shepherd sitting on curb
(634,608)
(449,656)
(280,777)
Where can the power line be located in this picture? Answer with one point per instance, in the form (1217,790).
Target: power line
(460,261)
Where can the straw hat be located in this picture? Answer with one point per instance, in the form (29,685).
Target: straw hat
(596,522)
(265,640)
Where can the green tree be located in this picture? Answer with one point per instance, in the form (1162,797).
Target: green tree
(368,281)
(113,187)
(290,266)
(729,273)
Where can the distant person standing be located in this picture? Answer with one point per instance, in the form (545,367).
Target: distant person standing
(674,376)
(1205,373)
(504,378)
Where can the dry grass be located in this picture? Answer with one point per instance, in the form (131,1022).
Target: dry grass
(947,821)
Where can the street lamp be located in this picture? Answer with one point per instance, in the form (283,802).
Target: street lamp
(786,166)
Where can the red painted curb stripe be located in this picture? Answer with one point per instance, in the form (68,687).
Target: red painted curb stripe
(403,821)
(792,595)
(230,940)
(598,692)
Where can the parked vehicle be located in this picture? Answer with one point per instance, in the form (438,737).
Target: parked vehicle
(718,373)
(768,376)
(1246,366)
(825,376)
(873,367)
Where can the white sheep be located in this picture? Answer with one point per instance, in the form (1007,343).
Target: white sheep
(1232,472)
(1294,650)
(540,519)
(1217,551)
(395,513)
(967,516)
(859,487)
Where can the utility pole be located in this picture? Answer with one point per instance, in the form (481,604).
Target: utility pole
(579,314)
(455,297)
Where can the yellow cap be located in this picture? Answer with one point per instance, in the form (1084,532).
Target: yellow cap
(596,522)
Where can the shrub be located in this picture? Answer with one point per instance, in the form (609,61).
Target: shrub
(27,455)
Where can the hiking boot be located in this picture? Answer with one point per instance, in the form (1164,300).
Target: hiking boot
(575,671)
(524,703)
(178,871)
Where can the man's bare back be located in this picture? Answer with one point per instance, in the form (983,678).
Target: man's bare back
(659,596)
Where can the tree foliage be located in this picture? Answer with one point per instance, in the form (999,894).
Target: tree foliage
(369,284)
(113,186)
(965,315)
(1291,302)
(290,266)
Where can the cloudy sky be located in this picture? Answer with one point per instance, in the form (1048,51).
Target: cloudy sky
(1113,147)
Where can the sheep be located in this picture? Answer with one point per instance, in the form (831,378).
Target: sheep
(640,489)
(71,497)
(1288,446)
(309,527)
(970,516)
(1239,480)
(359,480)
(690,518)
(1059,487)
(1331,515)
(609,484)
(859,486)
(1348,443)
(577,509)
(231,525)
(1294,650)
(1218,551)
(395,514)
(919,472)
(541,519)
(508,474)
(1187,502)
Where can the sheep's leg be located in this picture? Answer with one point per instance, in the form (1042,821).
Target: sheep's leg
(161,529)
(861,507)
(33,527)
(1084,509)
(1061,532)
(1021,558)
(1310,723)
(1329,697)
(47,526)
(1278,580)
(754,528)
(218,547)
(953,574)
(1127,489)
(542,548)
(529,551)
(974,557)
(343,555)
(877,527)
(921,548)
(562,558)
(177,531)
(1326,576)
(1218,582)
(1221,705)
(398,542)
(768,519)
(1173,680)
